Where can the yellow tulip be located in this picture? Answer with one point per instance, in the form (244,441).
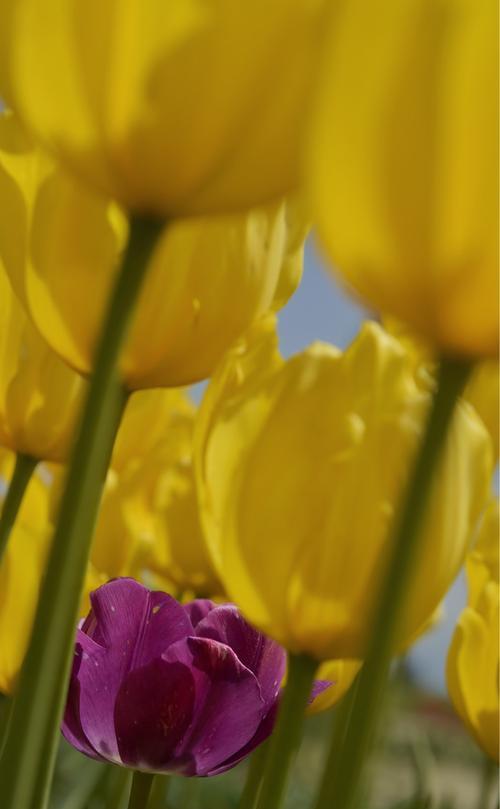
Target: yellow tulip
(209,279)
(39,395)
(148,416)
(483,562)
(150,518)
(472,668)
(300,466)
(185,107)
(483,392)
(403,164)
(341,674)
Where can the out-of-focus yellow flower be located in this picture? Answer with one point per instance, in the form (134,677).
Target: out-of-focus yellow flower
(185,107)
(150,518)
(39,395)
(148,416)
(21,574)
(483,392)
(483,562)
(473,665)
(404,164)
(300,466)
(340,673)
(209,278)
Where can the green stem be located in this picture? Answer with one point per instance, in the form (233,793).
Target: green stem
(340,783)
(141,789)
(285,739)
(254,777)
(27,762)
(159,790)
(24,467)
(489,777)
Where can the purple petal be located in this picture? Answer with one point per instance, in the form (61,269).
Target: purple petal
(318,687)
(142,623)
(228,704)
(265,729)
(198,609)
(130,627)
(153,710)
(71,726)
(263,732)
(263,656)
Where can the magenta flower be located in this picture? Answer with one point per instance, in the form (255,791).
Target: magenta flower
(169,688)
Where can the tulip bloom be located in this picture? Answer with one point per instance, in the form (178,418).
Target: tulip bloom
(169,688)
(209,279)
(404,164)
(151,510)
(202,109)
(473,657)
(300,466)
(21,572)
(39,394)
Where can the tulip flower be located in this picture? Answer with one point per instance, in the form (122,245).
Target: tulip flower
(169,688)
(300,467)
(39,394)
(403,164)
(21,572)
(483,392)
(208,279)
(473,657)
(151,511)
(483,563)
(203,106)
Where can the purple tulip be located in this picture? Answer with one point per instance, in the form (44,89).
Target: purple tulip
(170,688)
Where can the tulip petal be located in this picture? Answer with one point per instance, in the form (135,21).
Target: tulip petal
(228,704)
(198,609)
(71,725)
(263,656)
(121,610)
(154,708)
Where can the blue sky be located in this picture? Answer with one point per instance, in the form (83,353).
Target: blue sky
(320,310)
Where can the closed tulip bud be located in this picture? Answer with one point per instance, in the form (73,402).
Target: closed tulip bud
(300,468)
(404,164)
(202,108)
(472,668)
(209,279)
(39,395)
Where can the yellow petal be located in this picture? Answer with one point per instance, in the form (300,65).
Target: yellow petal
(208,281)
(300,467)
(188,107)
(472,669)
(403,164)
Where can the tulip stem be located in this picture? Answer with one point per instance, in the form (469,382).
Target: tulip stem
(254,777)
(489,777)
(27,763)
(142,783)
(342,774)
(285,739)
(23,470)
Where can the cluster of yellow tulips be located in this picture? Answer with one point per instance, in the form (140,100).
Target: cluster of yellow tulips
(161,165)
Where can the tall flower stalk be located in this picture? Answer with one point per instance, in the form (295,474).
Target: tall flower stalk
(342,776)
(28,757)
